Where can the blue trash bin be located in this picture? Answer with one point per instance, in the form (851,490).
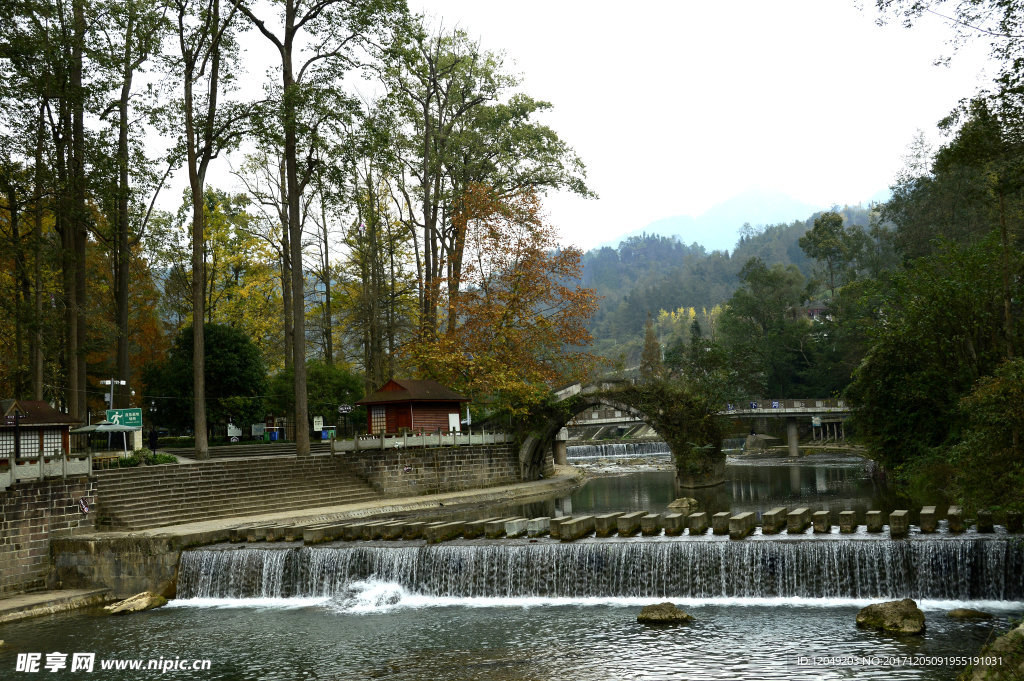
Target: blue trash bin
(273,435)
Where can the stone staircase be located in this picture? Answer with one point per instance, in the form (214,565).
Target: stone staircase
(153,496)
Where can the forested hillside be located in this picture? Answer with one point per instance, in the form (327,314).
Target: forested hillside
(652,274)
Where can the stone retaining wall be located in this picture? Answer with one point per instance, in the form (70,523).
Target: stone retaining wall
(30,514)
(411,472)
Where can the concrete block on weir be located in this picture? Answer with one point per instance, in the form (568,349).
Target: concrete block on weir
(650,524)
(606,524)
(516,528)
(320,533)
(538,527)
(822,524)
(393,531)
(496,528)
(576,528)
(475,528)
(741,525)
(354,531)
(899,523)
(955,519)
(439,532)
(256,533)
(555,526)
(277,532)
(874,521)
(628,524)
(985,522)
(928,519)
(375,530)
(698,523)
(413,530)
(1013,522)
(720,522)
(798,520)
(847,522)
(774,520)
(238,534)
(674,523)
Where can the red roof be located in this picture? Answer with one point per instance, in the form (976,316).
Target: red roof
(410,390)
(33,413)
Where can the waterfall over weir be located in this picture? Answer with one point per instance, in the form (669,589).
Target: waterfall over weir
(945,569)
(618,450)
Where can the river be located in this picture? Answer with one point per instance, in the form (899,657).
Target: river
(518,610)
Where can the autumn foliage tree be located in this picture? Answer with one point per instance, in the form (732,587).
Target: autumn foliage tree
(516,318)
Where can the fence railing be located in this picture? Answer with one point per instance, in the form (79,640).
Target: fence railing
(398,441)
(42,466)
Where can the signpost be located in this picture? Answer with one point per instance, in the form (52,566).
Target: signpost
(344,410)
(125,417)
(318,423)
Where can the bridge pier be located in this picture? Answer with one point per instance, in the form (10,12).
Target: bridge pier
(792,437)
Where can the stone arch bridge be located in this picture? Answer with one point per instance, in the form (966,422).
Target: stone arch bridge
(690,428)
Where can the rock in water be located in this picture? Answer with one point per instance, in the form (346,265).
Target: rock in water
(896,617)
(968,614)
(684,505)
(146,600)
(1003,659)
(663,613)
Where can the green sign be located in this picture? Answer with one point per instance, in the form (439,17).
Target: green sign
(125,417)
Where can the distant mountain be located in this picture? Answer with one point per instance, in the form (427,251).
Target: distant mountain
(718,229)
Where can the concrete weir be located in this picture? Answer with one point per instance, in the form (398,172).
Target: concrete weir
(577,528)
(628,524)
(741,525)
(606,524)
(798,520)
(774,520)
(698,523)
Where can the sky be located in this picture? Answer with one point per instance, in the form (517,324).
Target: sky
(677,106)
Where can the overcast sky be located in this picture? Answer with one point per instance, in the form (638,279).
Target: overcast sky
(676,106)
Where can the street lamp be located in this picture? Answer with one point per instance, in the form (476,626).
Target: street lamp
(112,382)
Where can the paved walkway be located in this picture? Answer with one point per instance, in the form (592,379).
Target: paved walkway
(21,606)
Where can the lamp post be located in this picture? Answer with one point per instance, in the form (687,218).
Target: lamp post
(112,382)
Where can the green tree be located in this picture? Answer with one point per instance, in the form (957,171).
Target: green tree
(235,378)
(650,361)
(329,386)
(939,331)
(765,332)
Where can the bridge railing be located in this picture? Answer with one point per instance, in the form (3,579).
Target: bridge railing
(400,441)
(783,405)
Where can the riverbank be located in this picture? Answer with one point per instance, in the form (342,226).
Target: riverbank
(95,567)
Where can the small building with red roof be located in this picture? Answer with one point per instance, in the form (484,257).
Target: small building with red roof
(417,406)
(39,429)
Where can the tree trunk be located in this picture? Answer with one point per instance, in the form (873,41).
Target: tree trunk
(295,234)
(122,249)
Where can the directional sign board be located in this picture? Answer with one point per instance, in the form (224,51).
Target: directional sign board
(125,417)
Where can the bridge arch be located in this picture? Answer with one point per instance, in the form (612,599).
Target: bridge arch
(690,428)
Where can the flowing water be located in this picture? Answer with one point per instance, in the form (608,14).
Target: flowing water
(518,610)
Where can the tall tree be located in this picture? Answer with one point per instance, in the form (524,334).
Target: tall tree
(204,42)
(309,82)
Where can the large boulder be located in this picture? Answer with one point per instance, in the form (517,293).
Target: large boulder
(684,505)
(1002,660)
(895,617)
(968,614)
(146,600)
(663,613)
